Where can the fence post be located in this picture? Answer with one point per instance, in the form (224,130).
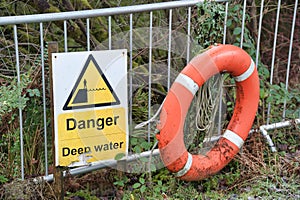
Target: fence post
(57,171)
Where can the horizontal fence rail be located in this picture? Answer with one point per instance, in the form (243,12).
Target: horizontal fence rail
(150,34)
(98,12)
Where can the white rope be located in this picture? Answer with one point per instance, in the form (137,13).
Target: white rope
(207,106)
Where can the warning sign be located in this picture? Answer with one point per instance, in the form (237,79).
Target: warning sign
(90,106)
(92,89)
(91,136)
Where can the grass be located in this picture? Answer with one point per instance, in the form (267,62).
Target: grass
(255,173)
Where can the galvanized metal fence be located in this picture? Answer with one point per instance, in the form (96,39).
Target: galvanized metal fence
(189,10)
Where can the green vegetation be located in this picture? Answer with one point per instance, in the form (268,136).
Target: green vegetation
(255,173)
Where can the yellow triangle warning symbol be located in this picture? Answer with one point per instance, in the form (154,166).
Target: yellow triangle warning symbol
(91,89)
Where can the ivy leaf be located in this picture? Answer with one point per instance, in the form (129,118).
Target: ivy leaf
(237,30)
(229,22)
(119,156)
(146,145)
(133,141)
(142,180)
(143,188)
(136,185)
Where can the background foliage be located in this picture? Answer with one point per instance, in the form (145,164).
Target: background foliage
(255,173)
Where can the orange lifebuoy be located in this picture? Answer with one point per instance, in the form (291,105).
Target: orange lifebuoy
(218,59)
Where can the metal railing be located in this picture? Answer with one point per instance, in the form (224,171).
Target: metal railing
(131,11)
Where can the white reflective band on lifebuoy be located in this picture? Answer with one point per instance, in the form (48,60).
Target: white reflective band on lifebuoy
(187,82)
(186,167)
(246,74)
(234,138)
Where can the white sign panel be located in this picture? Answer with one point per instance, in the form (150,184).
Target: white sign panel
(90,106)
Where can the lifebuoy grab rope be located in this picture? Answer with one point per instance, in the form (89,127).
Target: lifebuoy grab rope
(218,59)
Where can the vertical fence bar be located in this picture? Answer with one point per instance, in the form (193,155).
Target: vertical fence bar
(65,36)
(150,73)
(259,32)
(273,56)
(289,56)
(221,86)
(88,44)
(188,35)
(225,23)
(188,41)
(243,23)
(20,108)
(109,32)
(169,48)
(44,97)
(130,71)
